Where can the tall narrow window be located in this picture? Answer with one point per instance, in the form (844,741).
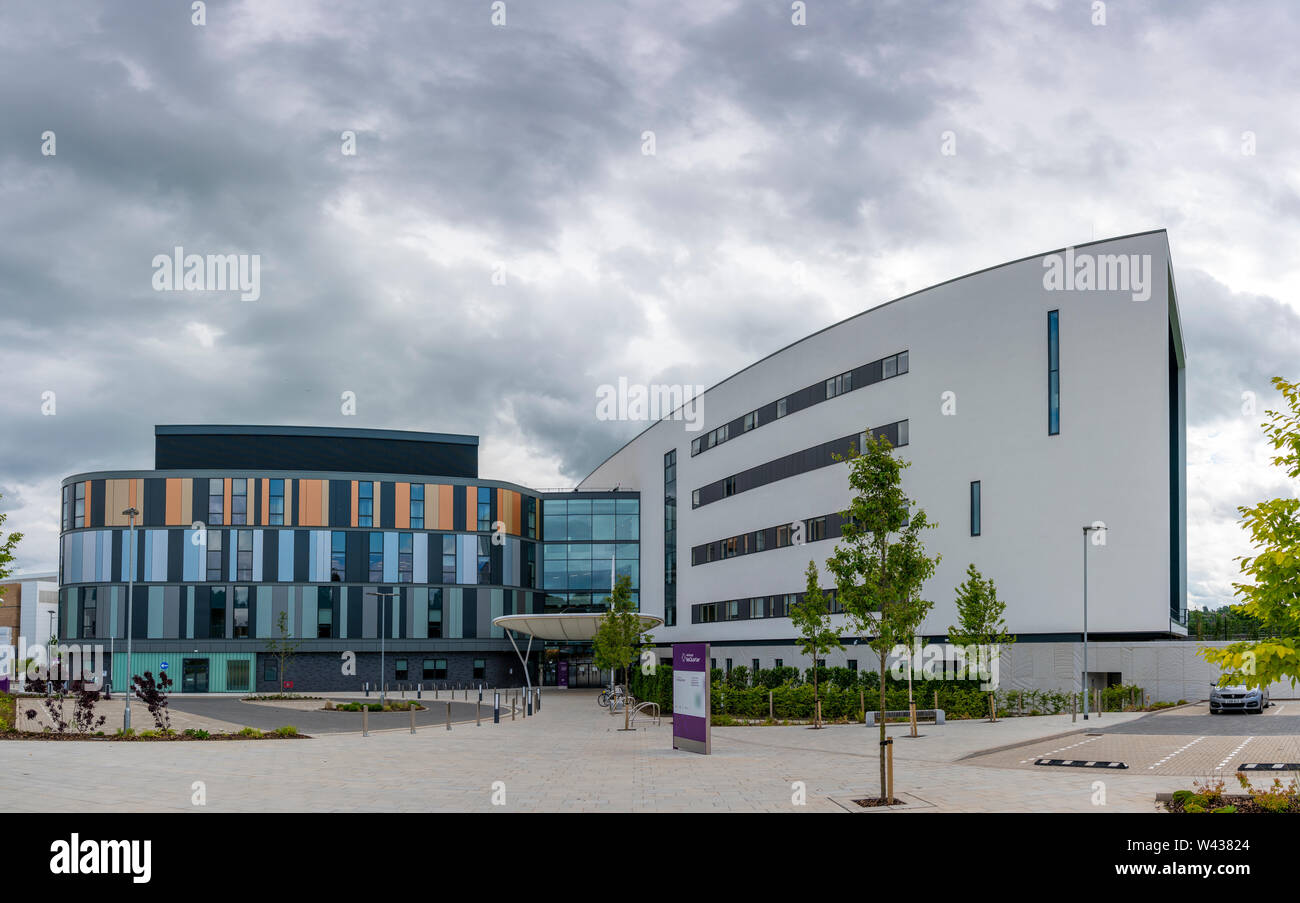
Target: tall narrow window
(276,498)
(217,613)
(216,501)
(405,557)
(244,554)
(975,508)
(238,501)
(1053,373)
(670,537)
(376,569)
(448,558)
(214,557)
(338,556)
(484,508)
(365,504)
(485,559)
(80,515)
(417,506)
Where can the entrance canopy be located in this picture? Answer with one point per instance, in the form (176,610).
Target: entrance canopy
(574,626)
(571,627)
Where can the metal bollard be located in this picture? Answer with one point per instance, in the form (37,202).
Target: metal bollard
(496,708)
(478,715)
(367,687)
(412,711)
(467,693)
(365,721)
(419,691)
(512,708)
(435,692)
(539,699)
(449,716)
(530,705)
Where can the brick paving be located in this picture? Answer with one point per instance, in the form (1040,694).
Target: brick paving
(572,757)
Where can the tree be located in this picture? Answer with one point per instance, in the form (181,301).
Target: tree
(979,620)
(282,647)
(812,619)
(7,546)
(880,563)
(619,637)
(1273,594)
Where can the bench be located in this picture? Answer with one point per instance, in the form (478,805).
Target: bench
(935,715)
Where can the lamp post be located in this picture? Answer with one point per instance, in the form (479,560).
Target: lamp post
(131,514)
(383,629)
(1083,679)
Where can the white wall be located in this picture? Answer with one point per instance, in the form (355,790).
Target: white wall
(983,337)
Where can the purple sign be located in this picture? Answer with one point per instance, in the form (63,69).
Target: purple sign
(562,674)
(691,695)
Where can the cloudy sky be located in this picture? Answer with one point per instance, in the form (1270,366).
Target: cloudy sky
(517,150)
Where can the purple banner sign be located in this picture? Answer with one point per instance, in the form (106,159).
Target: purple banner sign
(691,695)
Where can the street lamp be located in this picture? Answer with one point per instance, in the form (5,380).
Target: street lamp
(1083,678)
(132,514)
(383,629)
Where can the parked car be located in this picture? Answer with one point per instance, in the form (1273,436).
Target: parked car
(1238,699)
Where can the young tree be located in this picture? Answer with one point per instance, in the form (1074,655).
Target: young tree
(1272,596)
(7,546)
(979,620)
(880,563)
(619,637)
(282,647)
(812,619)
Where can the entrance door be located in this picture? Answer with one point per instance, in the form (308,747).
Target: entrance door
(194,675)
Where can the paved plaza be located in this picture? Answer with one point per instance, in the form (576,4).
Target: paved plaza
(573,757)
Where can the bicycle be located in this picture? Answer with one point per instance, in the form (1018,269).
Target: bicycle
(615,699)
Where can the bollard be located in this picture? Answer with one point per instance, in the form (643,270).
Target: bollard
(449,716)
(1074,705)
(496,708)
(512,708)
(530,705)
(478,714)
(412,711)
(419,691)
(365,721)
(480,694)
(435,692)
(539,699)
(367,687)
(769,706)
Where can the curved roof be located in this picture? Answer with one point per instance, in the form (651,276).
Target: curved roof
(863,313)
(574,626)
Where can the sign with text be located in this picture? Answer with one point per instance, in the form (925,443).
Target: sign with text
(691,694)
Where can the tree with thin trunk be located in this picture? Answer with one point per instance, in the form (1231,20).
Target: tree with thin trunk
(880,563)
(619,637)
(282,647)
(812,618)
(980,623)
(7,546)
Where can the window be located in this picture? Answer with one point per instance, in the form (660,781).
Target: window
(781,407)
(214,557)
(338,556)
(1053,373)
(760,540)
(728,667)
(417,506)
(435,669)
(67,507)
(485,559)
(271,671)
(729,548)
(79,518)
(237,674)
(484,508)
(480,668)
(239,501)
(217,613)
(365,504)
(88,619)
(729,486)
(399,669)
(751,421)
(695,498)
(448,558)
(902,434)
(853,664)
(838,385)
(670,537)
(695,446)
(779,663)
(243,554)
(324,612)
(376,569)
(405,557)
(532,518)
(975,508)
(782,536)
(435,614)
(276,498)
(241,612)
(902,362)
(216,501)
(816,529)
(754,669)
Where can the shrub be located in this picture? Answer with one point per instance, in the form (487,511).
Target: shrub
(196,733)
(149,734)
(250,732)
(154,695)
(287,731)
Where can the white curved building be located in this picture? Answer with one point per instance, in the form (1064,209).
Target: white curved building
(1032,398)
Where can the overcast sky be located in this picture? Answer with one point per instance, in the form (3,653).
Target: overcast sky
(484,149)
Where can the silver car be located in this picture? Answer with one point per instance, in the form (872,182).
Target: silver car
(1238,699)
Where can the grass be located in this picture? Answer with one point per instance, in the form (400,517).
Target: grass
(7,709)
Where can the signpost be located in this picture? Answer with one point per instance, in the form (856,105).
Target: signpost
(691,695)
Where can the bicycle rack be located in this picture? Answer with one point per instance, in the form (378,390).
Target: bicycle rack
(643,707)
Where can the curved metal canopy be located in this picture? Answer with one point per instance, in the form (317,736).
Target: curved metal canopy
(573,626)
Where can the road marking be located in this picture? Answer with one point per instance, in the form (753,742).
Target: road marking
(1180,749)
(1061,749)
(1230,755)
